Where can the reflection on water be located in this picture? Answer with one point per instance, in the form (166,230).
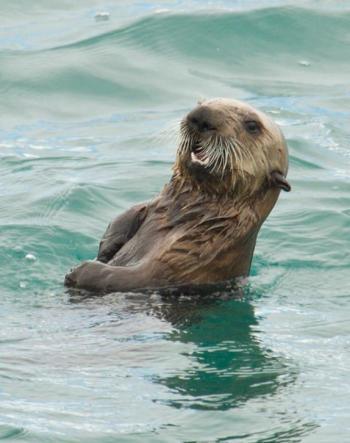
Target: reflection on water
(228,366)
(222,366)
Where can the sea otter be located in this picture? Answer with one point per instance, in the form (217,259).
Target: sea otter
(230,166)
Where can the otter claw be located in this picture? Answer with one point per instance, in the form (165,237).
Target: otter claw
(69,281)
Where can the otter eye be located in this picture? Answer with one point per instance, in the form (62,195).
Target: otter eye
(252,126)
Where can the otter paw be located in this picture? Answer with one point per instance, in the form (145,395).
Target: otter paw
(76,278)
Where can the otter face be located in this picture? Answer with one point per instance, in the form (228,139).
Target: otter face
(231,141)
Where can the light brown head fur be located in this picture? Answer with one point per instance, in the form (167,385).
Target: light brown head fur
(227,146)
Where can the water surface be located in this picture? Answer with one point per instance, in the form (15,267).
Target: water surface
(88,113)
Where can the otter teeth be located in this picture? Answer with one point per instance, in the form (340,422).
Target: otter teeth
(196,159)
(198,155)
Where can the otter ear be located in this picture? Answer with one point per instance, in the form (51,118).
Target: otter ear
(278,180)
(200,101)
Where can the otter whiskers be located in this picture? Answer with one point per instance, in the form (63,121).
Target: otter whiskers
(217,153)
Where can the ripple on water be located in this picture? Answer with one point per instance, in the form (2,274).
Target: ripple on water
(87,130)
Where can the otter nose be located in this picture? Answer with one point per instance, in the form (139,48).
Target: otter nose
(202,119)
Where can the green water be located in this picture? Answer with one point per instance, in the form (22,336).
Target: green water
(89,111)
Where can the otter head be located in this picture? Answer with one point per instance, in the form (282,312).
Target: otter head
(227,146)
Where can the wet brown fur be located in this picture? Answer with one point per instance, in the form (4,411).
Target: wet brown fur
(203,226)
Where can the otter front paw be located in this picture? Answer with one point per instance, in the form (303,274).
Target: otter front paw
(85,276)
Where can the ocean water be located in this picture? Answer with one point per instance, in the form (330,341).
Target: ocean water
(89,110)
